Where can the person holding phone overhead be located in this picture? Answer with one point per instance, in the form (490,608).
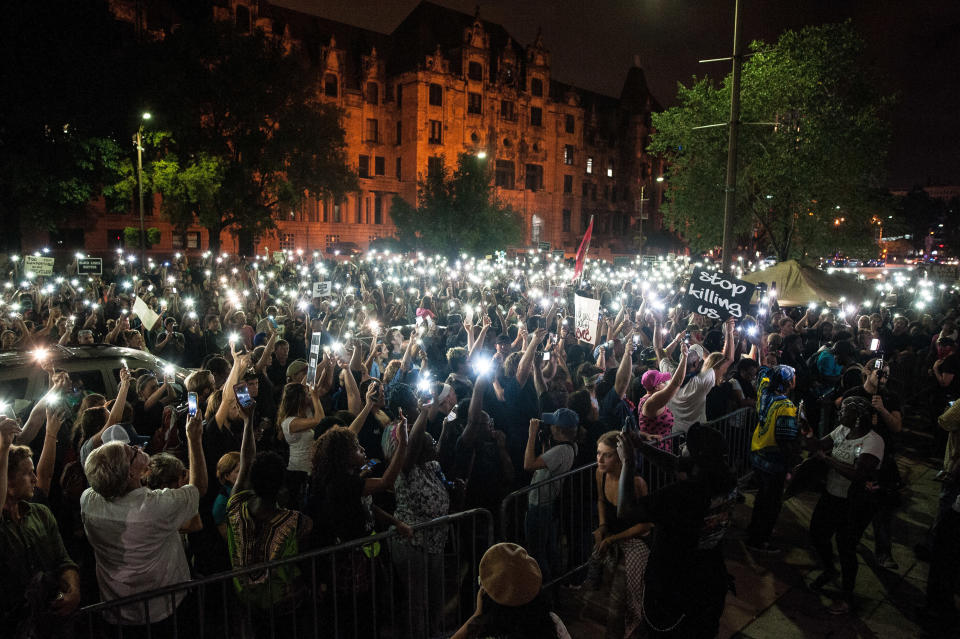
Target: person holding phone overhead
(300,412)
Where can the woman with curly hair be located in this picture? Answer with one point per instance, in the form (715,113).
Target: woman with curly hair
(341,496)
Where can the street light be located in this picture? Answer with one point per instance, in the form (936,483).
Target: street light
(138,141)
(482,155)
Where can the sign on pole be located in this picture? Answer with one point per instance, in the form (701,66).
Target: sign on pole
(90,266)
(716,295)
(322,289)
(39,265)
(586,316)
(543,246)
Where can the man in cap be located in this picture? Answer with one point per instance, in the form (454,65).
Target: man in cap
(541,531)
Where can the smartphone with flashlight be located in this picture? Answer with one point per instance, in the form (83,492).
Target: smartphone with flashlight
(546,356)
(243,395)
(192,404)
(874,344)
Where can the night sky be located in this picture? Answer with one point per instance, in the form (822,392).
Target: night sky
(916,45)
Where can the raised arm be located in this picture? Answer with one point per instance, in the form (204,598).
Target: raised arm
(248,450)
(625,370)
(374,485)
(659,399)
(228,398)
(525,367)
(729,348)
(198,463)
(48,456)
(353,391)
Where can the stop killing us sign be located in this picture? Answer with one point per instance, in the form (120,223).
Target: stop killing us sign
(717,295)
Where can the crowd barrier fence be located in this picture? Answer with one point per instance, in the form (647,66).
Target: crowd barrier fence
(367,588)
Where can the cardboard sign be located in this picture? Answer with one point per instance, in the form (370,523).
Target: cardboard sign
(717,295)
(586,318)
(322,289)
(313,360)
(39,265)
(145,313)
(90,266)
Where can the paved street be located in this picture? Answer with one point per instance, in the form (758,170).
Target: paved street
(772,601)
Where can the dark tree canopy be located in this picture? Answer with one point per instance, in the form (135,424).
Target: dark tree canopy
(809,184)
(457,212)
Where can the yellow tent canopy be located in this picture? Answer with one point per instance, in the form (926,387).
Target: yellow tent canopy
(798,285)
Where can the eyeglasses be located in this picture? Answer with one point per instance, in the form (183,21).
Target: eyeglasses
(135,450)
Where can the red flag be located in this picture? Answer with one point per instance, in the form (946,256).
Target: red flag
(582,251)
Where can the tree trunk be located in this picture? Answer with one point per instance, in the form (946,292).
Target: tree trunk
(214,236)
(245,242)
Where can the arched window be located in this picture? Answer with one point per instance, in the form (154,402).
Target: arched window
(331,86)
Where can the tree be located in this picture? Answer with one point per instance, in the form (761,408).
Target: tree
(809,184)
(131,236)
(457,213)
(64,96)
(246,135)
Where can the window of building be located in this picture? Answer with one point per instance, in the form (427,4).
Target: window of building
(363,166)
(243,19)
(568,154)
(536,116)
(288,242)
(176,240)
(475,71)
(474,103)
(570,124)
(399,133)
(373,93)
(434,166)
(613,194)
(323,211)
(358,214)
(436,132)
(508,110)
(193,239)
(606,192)
(584,221)
(593,192)
(536,87)
(332,239)
(566,220)
(337,213)
(436,95)
(589,165)
(534,177)
(568,184)
(372,132)
(378,209)
(331,87)
(399,172)
(586,189)
(504,174)
(610,169)
(379,165)
(367,208)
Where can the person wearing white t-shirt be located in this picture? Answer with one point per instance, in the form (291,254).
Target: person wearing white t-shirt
(134,531)
(689,404)
(853,452)
(299,413)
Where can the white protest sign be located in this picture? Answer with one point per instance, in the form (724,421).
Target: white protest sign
(145,313)
(322,289)
(38,265)
(314,359)
(586,318)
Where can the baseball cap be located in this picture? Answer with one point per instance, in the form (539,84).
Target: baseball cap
(117,433)
(653,378)
(561,418)
(295,367)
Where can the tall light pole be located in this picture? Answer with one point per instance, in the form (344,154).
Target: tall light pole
(729,202)
(138,141)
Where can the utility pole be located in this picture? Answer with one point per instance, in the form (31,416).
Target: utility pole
(143,235)
(730,189)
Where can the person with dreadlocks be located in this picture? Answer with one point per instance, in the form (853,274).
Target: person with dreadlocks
(773,449)
(852,452)
(686,580)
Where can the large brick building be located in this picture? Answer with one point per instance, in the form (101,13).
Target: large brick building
(443,83)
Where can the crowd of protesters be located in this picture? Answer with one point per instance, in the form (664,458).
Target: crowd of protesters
(404,388)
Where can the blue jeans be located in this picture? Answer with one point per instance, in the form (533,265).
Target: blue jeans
(541,538)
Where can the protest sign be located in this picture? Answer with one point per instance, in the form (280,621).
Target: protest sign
(145,313)
(90,266)
(38,265)
(543,246)
(717,295)
(322,289)
(314,358)
(586,316)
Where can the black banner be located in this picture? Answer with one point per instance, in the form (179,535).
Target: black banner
(90,266)
(716,295)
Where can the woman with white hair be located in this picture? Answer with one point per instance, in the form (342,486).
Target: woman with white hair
(134,531)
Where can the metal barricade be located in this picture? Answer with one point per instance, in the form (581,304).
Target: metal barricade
(372,587)
(561,514)
(659,475)
(737,430)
